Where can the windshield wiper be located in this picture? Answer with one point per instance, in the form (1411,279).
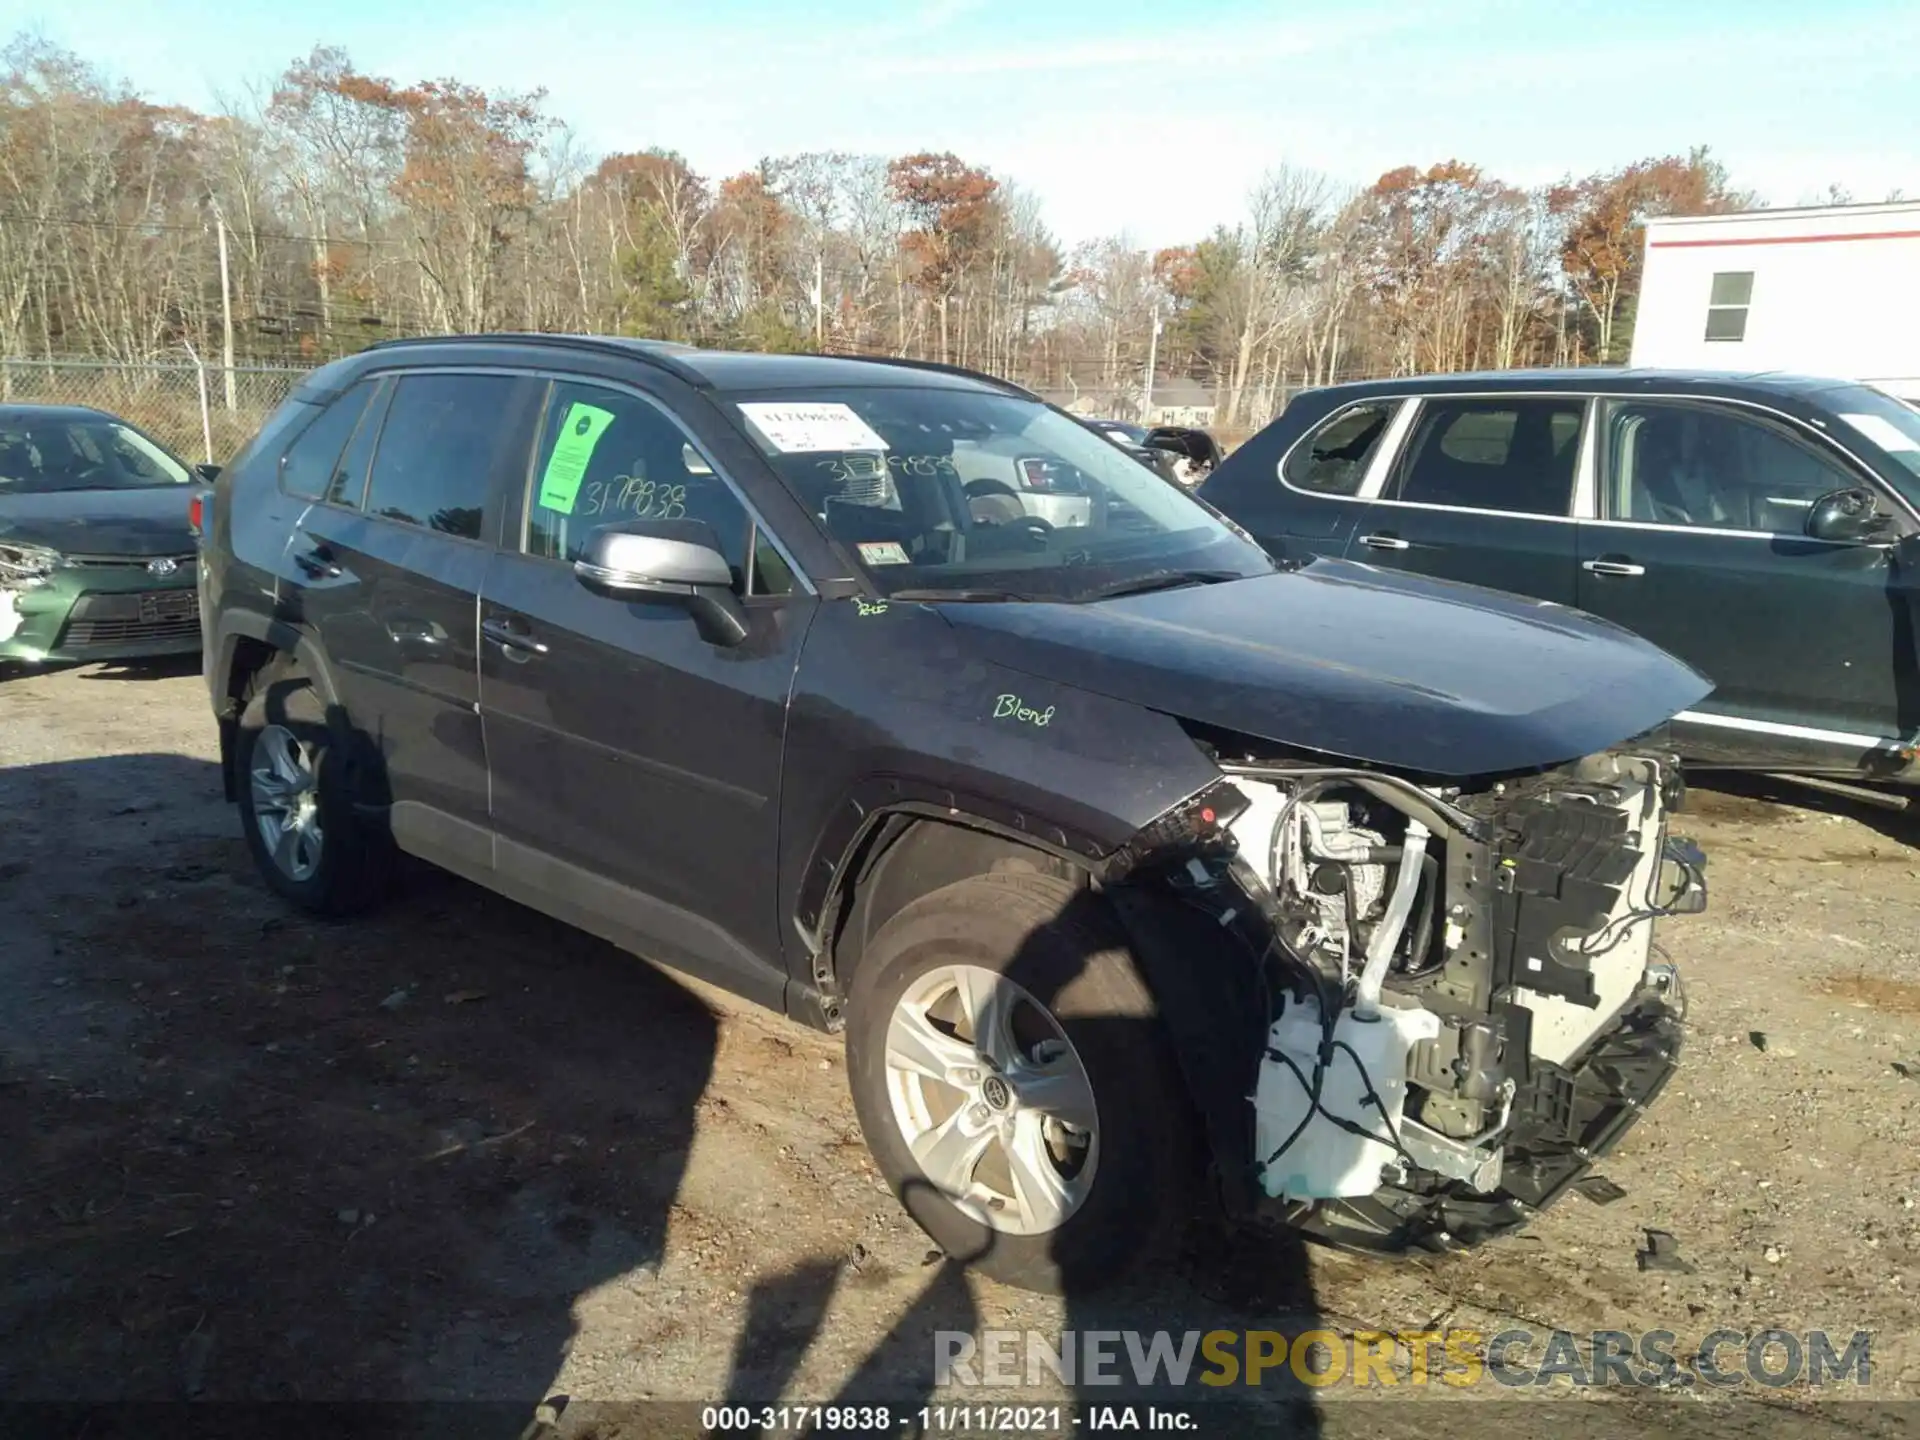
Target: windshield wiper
(958,594)
(1159,580)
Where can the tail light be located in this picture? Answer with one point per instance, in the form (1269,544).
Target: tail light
(196,512)
(1036,474)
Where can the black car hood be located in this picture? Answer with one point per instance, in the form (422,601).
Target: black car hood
(101,522)
(1395,670)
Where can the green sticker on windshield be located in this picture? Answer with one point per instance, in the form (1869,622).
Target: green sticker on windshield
(572,449)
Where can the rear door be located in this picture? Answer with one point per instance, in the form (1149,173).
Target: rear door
(636,767)
(1699,545)
(1305,502)
(391,561)
(1482,491)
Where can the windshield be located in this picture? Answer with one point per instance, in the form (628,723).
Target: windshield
(1892,426)
(42,456)
(961,490)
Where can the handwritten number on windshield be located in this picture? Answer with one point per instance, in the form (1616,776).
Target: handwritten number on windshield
(629,495)
(850,469)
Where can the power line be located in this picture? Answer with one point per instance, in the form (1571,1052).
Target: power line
(175,227)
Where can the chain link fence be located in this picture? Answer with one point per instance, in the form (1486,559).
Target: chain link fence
(207,411)
(199,411)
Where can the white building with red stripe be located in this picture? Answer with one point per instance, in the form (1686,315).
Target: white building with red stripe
(1824,290)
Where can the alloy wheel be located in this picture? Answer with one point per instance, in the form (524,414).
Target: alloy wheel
(284,788)
(992,1100)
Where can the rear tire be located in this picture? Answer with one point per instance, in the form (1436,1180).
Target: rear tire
(296,804)
(1035,1182)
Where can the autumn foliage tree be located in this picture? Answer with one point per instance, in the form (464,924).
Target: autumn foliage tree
(1602,252)
(466,192)
(1424,240)
(749,233)
(355,206)
(950,207)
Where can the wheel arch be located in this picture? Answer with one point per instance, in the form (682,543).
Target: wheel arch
(247,646)
(1207,991)
(902,852)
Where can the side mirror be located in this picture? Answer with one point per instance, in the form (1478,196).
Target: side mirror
(671,560)
(206,472)
(1848,516)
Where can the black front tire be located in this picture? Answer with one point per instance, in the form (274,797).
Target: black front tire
(356,859)
(1060,944)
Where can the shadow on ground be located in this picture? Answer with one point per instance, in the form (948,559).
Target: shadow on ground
(259,1157)
(1764,798)
(158,667)
(254,1156)
(1201,1277)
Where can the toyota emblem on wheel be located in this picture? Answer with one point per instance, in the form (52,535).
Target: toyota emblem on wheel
(165,565)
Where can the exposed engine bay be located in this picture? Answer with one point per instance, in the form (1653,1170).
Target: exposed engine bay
(1464,1001)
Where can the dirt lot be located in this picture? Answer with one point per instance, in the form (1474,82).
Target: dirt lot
(457,1151)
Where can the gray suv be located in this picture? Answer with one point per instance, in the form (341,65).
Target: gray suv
(1122,855)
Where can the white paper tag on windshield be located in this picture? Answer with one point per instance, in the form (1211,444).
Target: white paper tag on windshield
(884,552)
(1883,432)
(795,429)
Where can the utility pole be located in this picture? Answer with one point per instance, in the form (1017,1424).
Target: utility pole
(206,420)
(1153,359)
(819,298)
(226,308)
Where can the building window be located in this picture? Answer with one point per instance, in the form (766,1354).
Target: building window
(1727,306)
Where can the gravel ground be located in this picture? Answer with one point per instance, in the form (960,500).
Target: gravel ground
(457,1151)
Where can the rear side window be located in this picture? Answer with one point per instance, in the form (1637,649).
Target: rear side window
(1333,460)
(307,467)
(1517,455)
(349,483)
(446,441)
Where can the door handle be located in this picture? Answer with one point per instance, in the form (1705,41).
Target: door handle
(1612,567)
(318,564)
(416,634)
(1383,540)
(512,635)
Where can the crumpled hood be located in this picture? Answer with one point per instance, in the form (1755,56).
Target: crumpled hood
(1364,664)
(101,522)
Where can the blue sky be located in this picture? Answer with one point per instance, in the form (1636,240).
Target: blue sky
(1153,119)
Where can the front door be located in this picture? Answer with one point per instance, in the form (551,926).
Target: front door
(389,563)
(1482,492)
(1700,547)
(636,767)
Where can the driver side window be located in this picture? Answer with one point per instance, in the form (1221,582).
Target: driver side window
(607,457)
(1699,466)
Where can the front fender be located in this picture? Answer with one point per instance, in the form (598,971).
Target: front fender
(859,818)
(893,712)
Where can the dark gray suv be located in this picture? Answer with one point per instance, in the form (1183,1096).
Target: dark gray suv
(1121,854)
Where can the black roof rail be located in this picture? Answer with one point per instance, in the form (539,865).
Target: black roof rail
(943,369)
(658,353)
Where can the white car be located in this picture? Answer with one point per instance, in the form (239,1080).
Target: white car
(1003,484)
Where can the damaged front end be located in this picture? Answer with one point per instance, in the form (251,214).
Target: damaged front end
(1460,1005)
(24,570)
